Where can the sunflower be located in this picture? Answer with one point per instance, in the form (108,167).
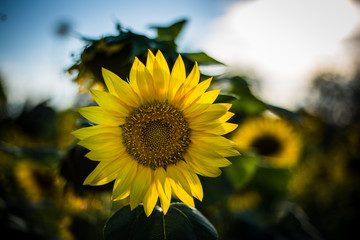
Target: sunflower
(155,133)
(274,140)
(38,182)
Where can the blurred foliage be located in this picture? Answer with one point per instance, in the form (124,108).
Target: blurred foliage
(117,53)
(327,182)
(42,169)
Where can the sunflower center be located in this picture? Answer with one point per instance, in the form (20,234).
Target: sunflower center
(156,134)
(266,145)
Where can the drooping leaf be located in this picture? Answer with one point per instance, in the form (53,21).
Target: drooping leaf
(180,222)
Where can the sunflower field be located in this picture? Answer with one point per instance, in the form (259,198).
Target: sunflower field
(159,147)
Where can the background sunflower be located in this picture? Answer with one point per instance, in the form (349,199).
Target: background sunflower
(274,139)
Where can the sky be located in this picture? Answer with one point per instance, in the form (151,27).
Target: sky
(284,43)
(281,41)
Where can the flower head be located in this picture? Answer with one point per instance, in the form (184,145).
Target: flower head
(155,133)
(274,140)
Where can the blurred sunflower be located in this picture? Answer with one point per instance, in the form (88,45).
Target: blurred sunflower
(156,133)
(73,203)
(244,200)
(38,182)
(274,140)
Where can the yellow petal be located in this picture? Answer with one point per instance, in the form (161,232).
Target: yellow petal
(109,84)
(193,180)
(204,170)
(150,199)
(162,63)
(164,188)
(208,157)
(107,153)
(101,141)
(193,78)
(195,109)
(180,185)
(175,174)
(104,172)
(100,116)
(228,152)
(136,67)
(94,130)
(222,129)
(122,88)
(208,97)
(207,117)
(124,180)
(202,139)
(227,105)
(177,77)
(109,102)
(144,80)
(161,79)
(226,117)
(204,126)
(196,92)
(150,61)
(219,144)
(140,186)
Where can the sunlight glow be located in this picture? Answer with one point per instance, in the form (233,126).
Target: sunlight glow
(282,40)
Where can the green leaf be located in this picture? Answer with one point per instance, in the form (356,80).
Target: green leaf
(3,97)
(180,222)
(272,180)
(201,58)
(215,190)
(203,229)
(293,116)
(242,169)
(169,33)
(246,103)
(222,98)
(248,106)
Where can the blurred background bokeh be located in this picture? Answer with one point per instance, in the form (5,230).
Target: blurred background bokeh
(290,68)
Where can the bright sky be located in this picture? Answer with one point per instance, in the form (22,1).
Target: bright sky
(281,40)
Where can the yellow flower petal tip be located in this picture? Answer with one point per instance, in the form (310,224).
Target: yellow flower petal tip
(152,133)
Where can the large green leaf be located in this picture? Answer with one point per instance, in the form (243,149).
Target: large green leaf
(180,222)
